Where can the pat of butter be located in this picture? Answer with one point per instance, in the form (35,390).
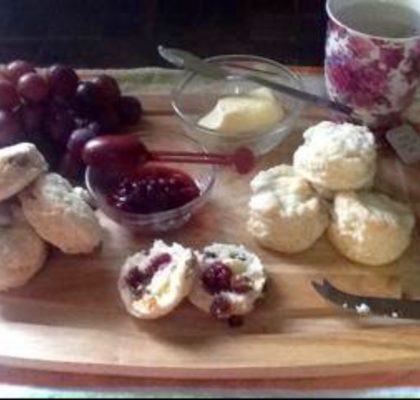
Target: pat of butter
(256,111)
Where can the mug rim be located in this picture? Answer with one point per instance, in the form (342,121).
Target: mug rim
(367,35)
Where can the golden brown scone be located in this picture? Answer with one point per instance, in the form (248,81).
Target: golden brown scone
(285,212)
(60,216)
(370,228)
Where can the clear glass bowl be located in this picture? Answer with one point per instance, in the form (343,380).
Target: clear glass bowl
(203,175)
(196,95)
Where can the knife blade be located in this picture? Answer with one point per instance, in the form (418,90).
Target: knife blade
(187,60)
(381,306)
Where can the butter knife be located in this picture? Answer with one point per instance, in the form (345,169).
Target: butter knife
(381,306)
(187,60)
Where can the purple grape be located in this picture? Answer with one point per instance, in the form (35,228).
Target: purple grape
(80,122)
(108,120)
(60,105)
(77,141)
(8,95)
(60,125)
(11,131)
(108,87)
(95,127)
(32,117)
(32,87)
(129,110)
(47,147)
(63,81)
(17,68)
(88,99)
(87,123)
(72,169)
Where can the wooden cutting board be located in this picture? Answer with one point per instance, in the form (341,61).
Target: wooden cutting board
(70,317)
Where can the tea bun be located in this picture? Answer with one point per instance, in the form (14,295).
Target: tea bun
(370,228)
(286,214)
(337,157)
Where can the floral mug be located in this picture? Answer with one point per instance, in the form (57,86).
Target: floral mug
(372,60)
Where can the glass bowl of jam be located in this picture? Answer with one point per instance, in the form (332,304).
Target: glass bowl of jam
(153,197)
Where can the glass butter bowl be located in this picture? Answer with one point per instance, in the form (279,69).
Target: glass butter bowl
(204,176)
(196,95)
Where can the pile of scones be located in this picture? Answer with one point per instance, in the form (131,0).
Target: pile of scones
(39,209)
(330,188)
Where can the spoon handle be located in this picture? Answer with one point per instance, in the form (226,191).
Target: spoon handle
(193,160)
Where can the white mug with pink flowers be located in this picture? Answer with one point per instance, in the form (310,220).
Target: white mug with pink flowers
(372,58)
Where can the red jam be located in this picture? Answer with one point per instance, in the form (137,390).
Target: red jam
(216,278)
(153,189)
(220,307)
(137,279)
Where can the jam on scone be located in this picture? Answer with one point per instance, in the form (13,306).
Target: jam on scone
(152,283)
(229,282)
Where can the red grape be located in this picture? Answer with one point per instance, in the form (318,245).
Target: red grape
(77,141)
(10,129)
(3,72)
(129,110)
(63,81)
(108,87)
(32,117)
(33,87)
(8,95)
(18,68)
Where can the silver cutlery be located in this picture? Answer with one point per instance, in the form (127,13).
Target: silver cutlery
(365,305)
(187,60)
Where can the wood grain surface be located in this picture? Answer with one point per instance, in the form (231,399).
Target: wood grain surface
(70,317)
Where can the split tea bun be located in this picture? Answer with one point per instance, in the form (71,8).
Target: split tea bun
(153,283)
(229,282)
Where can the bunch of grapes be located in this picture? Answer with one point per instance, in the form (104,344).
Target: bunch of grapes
(59,113)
